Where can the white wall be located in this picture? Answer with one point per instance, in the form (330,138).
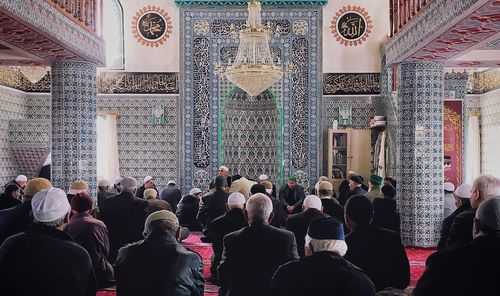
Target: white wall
(361,58)
(490,135)
(141,58)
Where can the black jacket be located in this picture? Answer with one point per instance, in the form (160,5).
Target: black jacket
(231,221)
(461,229)
(187,209)
(355,191)
(102,195)
(448,222)
(213,206)
(280,213)
(250,258)
(343,191)
(385,214)
(471,269)
(171,195)
(323,273)
(45,261)
(15,220)
(296,200)
(158,265)
(124,216)
(380,254)
(332,207)
(7,202)
(140,191)
(299,223)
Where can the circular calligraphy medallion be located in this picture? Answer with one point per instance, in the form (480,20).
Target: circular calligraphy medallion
(351,25)
(151,26)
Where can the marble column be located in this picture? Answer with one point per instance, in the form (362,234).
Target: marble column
(73,123)
(420,153)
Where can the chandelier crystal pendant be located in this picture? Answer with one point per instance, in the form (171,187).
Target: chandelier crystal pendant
(253,69)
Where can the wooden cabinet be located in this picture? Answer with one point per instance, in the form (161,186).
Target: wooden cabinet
(348,150)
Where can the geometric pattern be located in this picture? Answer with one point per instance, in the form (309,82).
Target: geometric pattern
(420,153)
(145,148)
(57,36)
(297,94)
(73,123)
(490,137)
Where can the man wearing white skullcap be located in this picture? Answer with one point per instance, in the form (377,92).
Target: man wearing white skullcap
(224,171)
(448,201)
(462,202)
(479,260)
(159,256)
(103,190)
(298,223)
(46,257)
(234,219)
(148,182)
(117,184)
(187,209)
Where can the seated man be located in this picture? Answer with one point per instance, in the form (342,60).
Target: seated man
(213,204)
(292,195)
(478,261)
(356,188)
(159,265)
(103,191)
(92,235)
(252,255)
(462,202)
(377,251)
(234,219)
(331,205)
(187,209)
(323,271)
(171,194)
(299,223)
(279,211)
(385,211)
(44,260)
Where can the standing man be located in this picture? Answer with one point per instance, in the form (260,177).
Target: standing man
(292,195)
(344,187)
(171,195)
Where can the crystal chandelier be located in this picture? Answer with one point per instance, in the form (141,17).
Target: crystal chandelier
(34,73)
(253,70)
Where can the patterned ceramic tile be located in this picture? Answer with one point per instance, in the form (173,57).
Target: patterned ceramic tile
(490,137)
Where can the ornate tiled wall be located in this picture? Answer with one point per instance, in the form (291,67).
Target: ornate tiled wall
(146,148)
(12,106)
(490,135)
(206,41)
(420,153)
(73,123)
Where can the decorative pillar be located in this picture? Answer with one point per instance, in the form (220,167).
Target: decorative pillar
(420,153)
(73,123)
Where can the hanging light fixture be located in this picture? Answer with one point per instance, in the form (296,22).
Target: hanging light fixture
(253,69)
(34,73)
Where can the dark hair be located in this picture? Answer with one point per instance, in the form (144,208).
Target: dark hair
(391,180)
(211,185)
(360,209)
(101,188)
(10,188)
(235,177)
(324,192)
(258,188)
(389,191)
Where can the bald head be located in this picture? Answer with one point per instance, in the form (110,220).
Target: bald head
(259,208)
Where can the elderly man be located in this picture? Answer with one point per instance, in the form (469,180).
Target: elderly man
(484,187)
(213,204)
(299,223)
(92,235)
(355,186)
(385,211)
(171,194)
(234,219)
(243,186)
(77,186)
(344,187)
(44,260)
(159,265)
(374,185)
(331,205)
(148,182)
(124,216)
(462,202)
(265,178)
(117,184)
(103,190)
(292,195)
(252,255)
(16,219)
(279,211)
(20,181)
(377,251)
(471,269)
(224,171)
(323,271)
(188,209)
(449,200)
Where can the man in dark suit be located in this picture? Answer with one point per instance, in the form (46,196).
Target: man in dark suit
(471,269)
(292,195)
(213,205)
(377,251)
(323,271)
(252,255)
(355,184)
(234,219)
(299,223)
(171,195)
(344,187)
(385,212)
(462,202)
(124,216)
(483,187)
(331,205)
(280,216)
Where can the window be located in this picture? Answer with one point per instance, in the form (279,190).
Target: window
(113,35)
(107,147)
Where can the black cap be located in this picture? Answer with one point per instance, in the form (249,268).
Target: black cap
(326,228)
(357,179)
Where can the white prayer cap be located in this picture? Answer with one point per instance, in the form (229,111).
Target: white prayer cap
(117,180)
(263,177)
(448,186)
(463,191)
(103,183)
(21,178)
(223,167)
(312,202)
(488,213)
(147,178)
(171,182)
(236,198)
(50,204)
(194,191)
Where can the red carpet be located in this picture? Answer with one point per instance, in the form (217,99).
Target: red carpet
(417,257)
